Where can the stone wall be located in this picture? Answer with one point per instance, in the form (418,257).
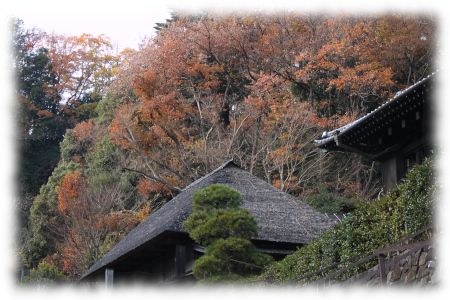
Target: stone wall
(408,267)
(417,267)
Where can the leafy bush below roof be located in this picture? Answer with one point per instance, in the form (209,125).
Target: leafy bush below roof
(404,210)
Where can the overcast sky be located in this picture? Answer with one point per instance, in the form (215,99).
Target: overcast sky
(124,30)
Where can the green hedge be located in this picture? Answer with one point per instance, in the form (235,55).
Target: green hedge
(45,274)
(404,210)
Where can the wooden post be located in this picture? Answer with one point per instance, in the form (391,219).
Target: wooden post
(180,261)
(382,268)
(109,277)
(22,274)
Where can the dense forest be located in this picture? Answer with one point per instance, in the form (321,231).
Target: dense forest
(106,138)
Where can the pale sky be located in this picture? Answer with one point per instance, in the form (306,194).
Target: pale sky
(125,31)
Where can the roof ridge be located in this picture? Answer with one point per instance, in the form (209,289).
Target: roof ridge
(227,163)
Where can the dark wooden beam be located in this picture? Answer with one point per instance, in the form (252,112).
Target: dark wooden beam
(180,260)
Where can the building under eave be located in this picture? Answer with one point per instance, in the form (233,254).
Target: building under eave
(159,249)
(397,133)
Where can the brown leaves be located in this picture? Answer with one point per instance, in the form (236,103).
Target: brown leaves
(122,127)
(44,114)
(146,187)
(258,89)
(84,131)
(81,63)
(69,190)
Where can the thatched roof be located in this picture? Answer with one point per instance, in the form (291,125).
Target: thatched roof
(280,216)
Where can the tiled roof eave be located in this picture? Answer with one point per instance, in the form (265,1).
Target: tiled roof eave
(351,126)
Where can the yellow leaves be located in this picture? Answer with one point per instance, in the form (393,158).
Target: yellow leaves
(144,212)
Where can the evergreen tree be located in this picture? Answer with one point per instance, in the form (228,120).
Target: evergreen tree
(41,123)
(218,223)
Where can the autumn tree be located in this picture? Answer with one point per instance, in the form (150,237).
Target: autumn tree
(222,71)
(84,66)
(49,69)
(94,219)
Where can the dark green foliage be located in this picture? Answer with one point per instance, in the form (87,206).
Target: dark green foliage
(216,196)
(404,210)
(417,194)
(205,227)
(218,223)
(106,107)
(327,202)
(160,26)
(45,273)
(233,258)
(41,124)
(104,169)
(69,147)
(86,111)
(44,218)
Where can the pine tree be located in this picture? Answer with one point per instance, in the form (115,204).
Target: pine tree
(218,223)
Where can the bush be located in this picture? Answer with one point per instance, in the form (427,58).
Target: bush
(45,273)
(417,195)
(404,210)
(327,202)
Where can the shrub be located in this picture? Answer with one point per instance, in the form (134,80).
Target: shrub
(45,273)
(327,202)
(404,210)
(230,259)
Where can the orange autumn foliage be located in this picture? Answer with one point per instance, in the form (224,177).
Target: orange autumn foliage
(145,187)
(81,63)
(69,190)
(84,131)
(44,114)
(117,221)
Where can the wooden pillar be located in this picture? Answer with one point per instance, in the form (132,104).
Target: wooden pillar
(180,261)
(109,277)
(23,273)
(382,268)
(389,170)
